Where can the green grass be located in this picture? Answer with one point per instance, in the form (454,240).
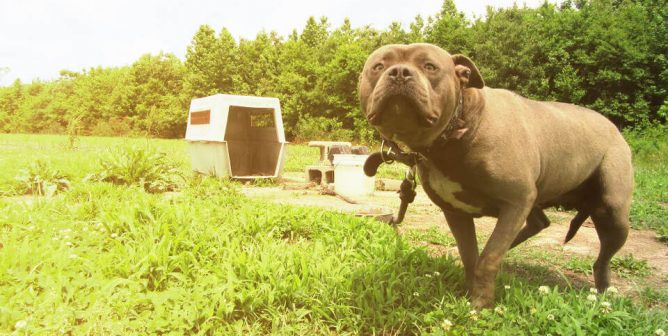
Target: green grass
(650,199)
(625,266)
(99,258)
(300,156)
(19,151)
(434,235)
(106,259)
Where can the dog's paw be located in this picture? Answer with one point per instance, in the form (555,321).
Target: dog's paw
(481,302)
(482,297)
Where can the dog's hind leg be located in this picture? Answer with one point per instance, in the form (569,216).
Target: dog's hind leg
(611,214)
(536,222)
(612,226)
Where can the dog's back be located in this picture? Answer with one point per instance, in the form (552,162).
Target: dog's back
(565,143)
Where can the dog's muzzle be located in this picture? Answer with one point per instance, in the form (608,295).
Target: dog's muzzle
(400,104)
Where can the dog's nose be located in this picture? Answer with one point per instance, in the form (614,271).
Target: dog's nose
(400,73)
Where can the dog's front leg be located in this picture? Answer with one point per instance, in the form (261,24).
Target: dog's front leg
(463,230)
(508,225)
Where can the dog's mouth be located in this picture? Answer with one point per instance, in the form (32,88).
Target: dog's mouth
(401,113)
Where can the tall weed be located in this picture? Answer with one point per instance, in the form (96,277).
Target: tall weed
(144,167)
(42,180)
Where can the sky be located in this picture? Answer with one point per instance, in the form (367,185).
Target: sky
(38,38)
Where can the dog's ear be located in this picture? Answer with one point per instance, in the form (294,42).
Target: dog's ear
(467,72)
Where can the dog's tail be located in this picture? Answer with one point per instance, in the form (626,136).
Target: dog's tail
(576,223)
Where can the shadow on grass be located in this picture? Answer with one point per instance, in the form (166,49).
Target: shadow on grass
(407,284)
(402,285)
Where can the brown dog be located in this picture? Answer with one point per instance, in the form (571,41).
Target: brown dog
(490,152)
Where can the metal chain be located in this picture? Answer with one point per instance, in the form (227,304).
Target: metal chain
(382,152)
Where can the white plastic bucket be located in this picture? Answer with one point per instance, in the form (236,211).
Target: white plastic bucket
(349,177)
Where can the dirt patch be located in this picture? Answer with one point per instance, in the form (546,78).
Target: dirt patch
(423,215)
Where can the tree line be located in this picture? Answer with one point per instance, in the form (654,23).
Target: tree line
(609,55)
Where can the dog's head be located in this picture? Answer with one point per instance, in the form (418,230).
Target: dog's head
(410,92)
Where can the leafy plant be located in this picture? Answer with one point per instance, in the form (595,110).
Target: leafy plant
(147,168)
(579,265)
(42,179)
(654,296)
(74,131)
(628,266)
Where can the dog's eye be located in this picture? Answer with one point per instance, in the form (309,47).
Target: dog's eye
(378,67)
(430,67)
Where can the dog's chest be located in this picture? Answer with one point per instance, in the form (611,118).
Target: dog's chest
(447,192)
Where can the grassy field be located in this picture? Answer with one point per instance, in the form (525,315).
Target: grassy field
(650,200)
(106,259)
(19,151)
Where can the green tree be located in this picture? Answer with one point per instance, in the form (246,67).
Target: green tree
(417,30)
(609,55)
(98,94)
(159,108)
(210,63)
(301,58)
(394,34)
(315,33)
(10,99)
(449,29)
(258,65)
